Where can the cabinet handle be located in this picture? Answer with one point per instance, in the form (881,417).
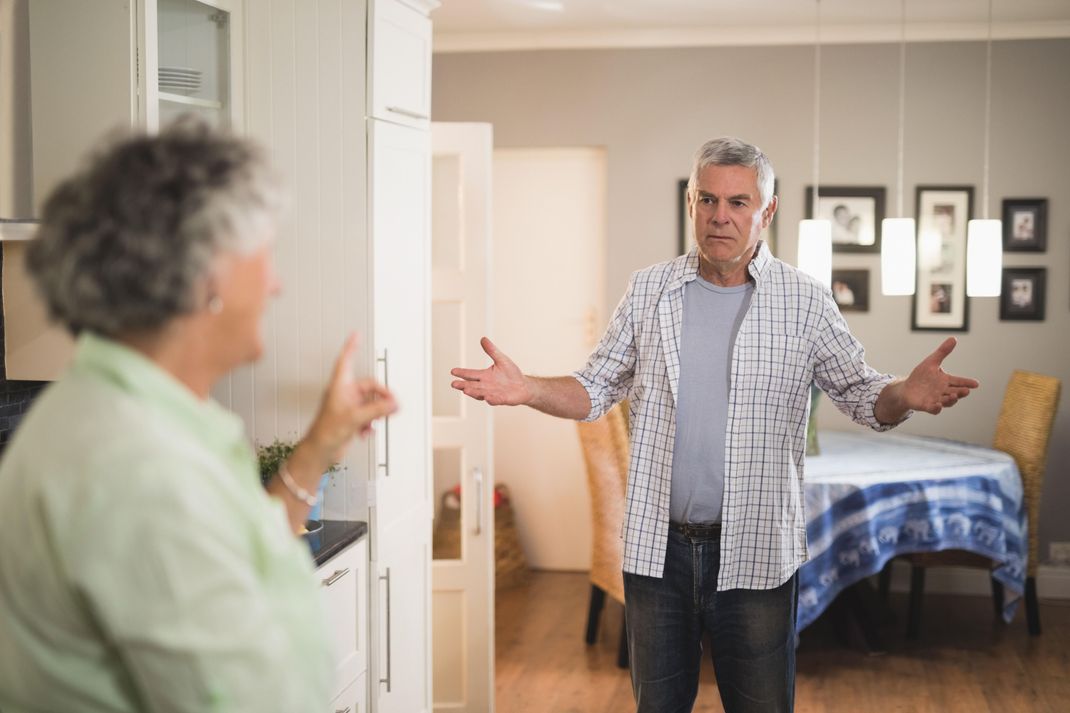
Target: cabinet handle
(338,574)
(387,679)
(344,710)
(477,476)
(407,112)
(385,463)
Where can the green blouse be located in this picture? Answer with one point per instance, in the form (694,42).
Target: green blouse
(142,566)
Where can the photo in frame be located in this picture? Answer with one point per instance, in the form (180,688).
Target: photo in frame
(940,296)
(1022,293)
(850,289)
(1025,225)
(686,229)
(855,212)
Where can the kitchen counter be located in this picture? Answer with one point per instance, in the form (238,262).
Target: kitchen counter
(335,536)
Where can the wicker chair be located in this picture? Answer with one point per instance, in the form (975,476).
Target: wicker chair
(605,451)
(1023,431)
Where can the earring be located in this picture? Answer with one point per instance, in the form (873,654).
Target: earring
(215,304)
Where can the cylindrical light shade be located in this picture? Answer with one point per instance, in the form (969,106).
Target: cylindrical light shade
(898,256)
(815,249)
(984,258)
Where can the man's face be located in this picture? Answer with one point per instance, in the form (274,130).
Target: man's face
(726,209)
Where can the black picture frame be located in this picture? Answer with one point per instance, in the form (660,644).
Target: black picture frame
(1022,295)
(850,289)
(940,303)
(683,226)
(1025,225)
(846,207)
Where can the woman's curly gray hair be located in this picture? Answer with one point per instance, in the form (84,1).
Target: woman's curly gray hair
(125,244)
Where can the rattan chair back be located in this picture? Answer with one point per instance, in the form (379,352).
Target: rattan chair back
(1024,431)
(605,452)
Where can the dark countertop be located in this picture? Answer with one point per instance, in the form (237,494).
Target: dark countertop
(335,536)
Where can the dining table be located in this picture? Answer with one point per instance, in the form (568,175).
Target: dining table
(873,496)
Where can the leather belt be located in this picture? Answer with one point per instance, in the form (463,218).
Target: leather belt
(696,530)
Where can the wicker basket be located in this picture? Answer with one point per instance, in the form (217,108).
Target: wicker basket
(510,565)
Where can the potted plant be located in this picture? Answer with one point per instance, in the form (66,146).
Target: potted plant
(272,456)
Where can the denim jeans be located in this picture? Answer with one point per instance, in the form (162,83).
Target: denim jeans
(752,634)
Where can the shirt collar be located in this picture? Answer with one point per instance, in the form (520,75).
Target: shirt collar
(139,376)
(685,267)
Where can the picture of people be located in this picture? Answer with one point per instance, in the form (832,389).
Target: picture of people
(1022,226)
(1025,224)
(940,298)
(850,289)
(1022,294)
(855,214)
(942,213)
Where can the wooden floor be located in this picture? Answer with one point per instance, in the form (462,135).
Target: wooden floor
(964,661)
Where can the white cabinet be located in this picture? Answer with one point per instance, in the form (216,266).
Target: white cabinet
(344,588)
(399,69)
(354,699)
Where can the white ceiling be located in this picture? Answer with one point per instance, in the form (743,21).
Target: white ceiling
(473,25)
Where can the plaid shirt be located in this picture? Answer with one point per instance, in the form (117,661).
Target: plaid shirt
(792,335)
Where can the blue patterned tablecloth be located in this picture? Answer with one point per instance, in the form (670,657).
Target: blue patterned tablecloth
(870,497)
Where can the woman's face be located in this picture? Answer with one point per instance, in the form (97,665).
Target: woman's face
(244,283)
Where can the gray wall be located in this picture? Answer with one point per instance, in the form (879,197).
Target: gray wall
(652,107)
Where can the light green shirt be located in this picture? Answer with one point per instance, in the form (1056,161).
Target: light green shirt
(142,566)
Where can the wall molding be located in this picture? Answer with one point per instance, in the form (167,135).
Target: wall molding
(446,42)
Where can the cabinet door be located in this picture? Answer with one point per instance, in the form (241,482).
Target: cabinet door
(354,699)
(344,587)
(399,185)
(401,658)
(400,63)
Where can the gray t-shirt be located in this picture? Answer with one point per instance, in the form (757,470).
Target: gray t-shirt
(712,316)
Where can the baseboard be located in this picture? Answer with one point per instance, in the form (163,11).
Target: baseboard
(1053,582)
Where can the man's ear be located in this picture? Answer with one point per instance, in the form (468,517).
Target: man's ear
(690,204)
(769,212)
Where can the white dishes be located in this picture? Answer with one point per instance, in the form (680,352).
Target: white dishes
(179,80)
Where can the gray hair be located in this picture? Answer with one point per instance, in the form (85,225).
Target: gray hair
(730,151)
(126,242)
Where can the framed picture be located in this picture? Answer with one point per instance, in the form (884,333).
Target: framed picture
(850,288)
(940,296)
(1022,295)
(855,212)
(1025,225)
(686,229)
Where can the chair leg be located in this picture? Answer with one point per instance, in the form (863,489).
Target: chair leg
(997,598)
(598,599)
(622,654)
(917,589)
(1032,610)
(884,581)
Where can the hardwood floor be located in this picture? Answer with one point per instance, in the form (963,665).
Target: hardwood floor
(963,662)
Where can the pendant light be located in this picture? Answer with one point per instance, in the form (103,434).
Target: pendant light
(898,245)
(815,235)
(984,248)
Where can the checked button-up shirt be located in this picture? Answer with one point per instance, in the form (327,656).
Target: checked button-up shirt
(792,335)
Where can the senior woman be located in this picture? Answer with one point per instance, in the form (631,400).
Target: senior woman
(143,567)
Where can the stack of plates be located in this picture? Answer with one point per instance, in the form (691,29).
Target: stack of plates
(180,80)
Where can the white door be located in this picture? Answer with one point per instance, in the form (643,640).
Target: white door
(463,554)
(549,286)
(399,186)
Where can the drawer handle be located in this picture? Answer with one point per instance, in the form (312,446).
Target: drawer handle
(407,112)
(338,574)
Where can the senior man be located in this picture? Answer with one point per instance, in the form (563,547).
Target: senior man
(716,351)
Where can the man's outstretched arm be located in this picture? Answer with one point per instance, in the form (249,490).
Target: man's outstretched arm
(503,384)
(928,388)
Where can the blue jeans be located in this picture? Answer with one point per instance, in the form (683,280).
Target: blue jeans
(752,634)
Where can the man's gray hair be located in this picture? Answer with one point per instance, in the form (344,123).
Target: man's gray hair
(125,243)
(730,151)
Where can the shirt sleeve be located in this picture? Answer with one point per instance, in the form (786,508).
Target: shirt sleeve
(842,372)
(197,603)
(607,377)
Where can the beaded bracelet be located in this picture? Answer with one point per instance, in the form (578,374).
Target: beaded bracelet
(296,490)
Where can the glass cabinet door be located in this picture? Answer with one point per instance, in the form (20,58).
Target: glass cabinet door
(195,67)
